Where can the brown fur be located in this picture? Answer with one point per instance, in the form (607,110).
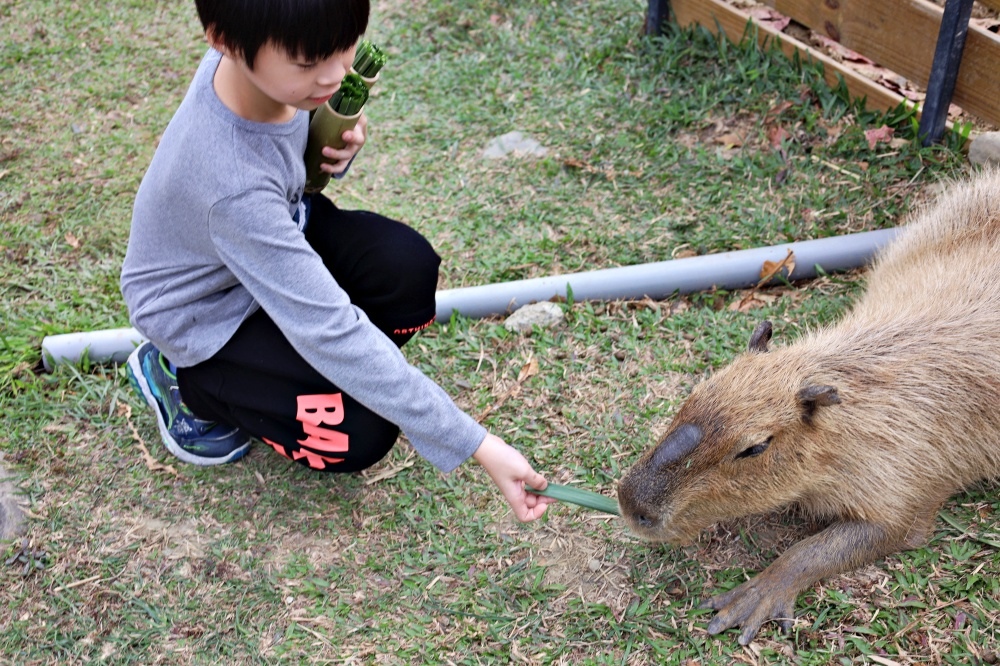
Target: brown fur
(870,424)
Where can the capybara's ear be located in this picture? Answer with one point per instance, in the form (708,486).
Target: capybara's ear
(760,337)
(819,394)
(816,395)
(680,442)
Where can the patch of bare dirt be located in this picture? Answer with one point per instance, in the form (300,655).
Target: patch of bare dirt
(580,562)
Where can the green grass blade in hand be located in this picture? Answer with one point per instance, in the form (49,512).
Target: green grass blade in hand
(580,497)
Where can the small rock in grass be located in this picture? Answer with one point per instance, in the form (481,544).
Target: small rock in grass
(985,149)
(545,315)
(513,142)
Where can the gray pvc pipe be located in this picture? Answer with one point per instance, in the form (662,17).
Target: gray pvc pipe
(106,346)
(727,270)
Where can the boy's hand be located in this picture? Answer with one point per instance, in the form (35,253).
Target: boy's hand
(340,159)
(511,472)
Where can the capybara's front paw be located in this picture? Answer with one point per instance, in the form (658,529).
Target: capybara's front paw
(749,606)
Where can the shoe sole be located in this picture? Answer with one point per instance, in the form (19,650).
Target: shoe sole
(138,381)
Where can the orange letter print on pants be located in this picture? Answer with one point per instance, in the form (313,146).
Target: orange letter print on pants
(314,412)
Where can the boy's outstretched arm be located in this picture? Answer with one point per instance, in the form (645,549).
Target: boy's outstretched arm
(511,472)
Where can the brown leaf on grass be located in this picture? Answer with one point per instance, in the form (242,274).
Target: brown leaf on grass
(776,135)
(752,300)
(646,303)
(772,268)
(730,140)
(777,110)
(530,369)
(73,241)
(880,135)
(747,303)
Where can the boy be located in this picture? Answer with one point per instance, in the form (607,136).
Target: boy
(277,315)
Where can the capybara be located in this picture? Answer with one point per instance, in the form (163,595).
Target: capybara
(868,425)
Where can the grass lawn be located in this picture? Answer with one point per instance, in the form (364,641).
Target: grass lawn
(656,148)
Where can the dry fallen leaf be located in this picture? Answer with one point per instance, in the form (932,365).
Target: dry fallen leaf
(730,140)
(684,253)
(772,268)
(777,110)
(881,135)
(530,369)
(769,17)
(776,135)
(73,241)
(751,300)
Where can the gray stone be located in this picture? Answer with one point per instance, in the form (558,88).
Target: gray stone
(11,516)
(985,149)
(545,314)
(513,142)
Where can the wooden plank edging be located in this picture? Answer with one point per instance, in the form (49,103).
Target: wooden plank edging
(715,14)
(899,35)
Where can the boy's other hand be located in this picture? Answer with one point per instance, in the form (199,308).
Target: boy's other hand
(510,471)
(340,159)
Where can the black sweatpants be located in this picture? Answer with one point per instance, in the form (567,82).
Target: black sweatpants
(260,384)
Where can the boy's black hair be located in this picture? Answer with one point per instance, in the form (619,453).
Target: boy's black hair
(307,29)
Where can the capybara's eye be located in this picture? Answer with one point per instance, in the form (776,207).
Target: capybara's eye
(754,450)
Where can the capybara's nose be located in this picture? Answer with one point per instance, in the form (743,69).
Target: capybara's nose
(643,519)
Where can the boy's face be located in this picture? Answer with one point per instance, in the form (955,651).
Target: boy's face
(294,81)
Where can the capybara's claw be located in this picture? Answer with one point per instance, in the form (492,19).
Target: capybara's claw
(749,606)
(720,601)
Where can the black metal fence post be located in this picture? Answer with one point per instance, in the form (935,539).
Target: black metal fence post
(944,69)
(658,12)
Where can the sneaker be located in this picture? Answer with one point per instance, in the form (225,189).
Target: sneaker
(191,439)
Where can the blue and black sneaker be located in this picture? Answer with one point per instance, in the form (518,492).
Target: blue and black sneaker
(191,439)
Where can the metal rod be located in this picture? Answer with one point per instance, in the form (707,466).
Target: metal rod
(944,69)
(656,14)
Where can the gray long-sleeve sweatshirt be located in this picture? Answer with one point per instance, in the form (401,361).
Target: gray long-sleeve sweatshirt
(213,238)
